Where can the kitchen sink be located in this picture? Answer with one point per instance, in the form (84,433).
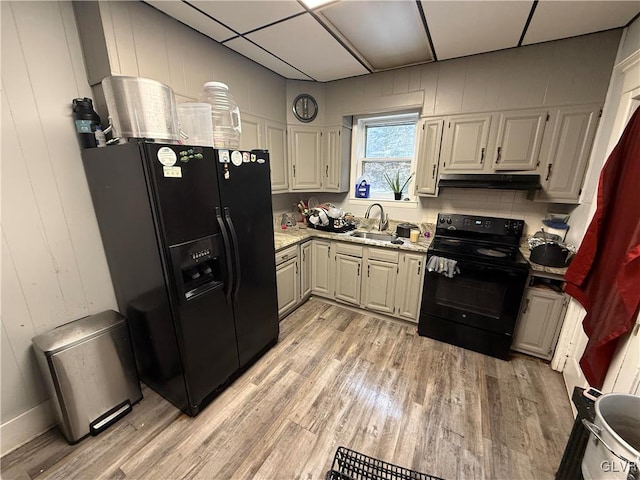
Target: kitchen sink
(385,237)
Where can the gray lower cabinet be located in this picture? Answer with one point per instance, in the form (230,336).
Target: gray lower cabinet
(294,276)
(409,287)
(287,280)
(540,320)
(379,286)
(321,268)
(384,280)
(304,255)
(348,278)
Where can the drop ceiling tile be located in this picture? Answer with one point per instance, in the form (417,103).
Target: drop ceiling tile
(265,59)
(196,20)
(305,44)
(469,27)
(243,16)
(553,20)
(387,34)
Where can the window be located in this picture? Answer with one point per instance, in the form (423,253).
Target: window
(386,145)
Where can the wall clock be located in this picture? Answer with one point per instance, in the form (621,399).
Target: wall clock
(305,108)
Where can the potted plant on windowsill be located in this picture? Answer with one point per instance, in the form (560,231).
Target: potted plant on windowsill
(394,184)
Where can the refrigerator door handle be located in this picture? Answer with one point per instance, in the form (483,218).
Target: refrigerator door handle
(234,238)
(227,251)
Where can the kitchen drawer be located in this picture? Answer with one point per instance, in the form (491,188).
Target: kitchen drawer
(383,254)
(349,249)
(286,254)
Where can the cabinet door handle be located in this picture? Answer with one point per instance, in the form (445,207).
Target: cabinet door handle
(368,267)
(549,171)
(499,154)
(433,172)
(326,169)
(526,306)
(294,170)
(481,157)
(296,268)
(419,267)
(358,269)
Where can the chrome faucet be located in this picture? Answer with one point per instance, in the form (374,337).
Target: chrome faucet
(384,220)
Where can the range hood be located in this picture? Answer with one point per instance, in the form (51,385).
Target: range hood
(493,180)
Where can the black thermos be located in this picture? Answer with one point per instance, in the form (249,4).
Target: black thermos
(86,120)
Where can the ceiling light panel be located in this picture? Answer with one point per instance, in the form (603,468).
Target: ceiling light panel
(311,4)
(302,42)
(196,20)
(469,27)
(265,59)
(387,34)
(244,16)
(562,19)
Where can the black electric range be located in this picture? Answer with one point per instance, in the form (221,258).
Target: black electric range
(478,306)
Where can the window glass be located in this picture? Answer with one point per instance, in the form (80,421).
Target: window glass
(386,141)
(386,148)
(374,172)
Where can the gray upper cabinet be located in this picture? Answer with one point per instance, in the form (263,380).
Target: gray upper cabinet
(554,143)
(251,135)
(276,143)
(267,134)
(465,143)
(501,141)
(519,139)
(566,154)
(305,154)
(430,131)
(336,154)
(319,159)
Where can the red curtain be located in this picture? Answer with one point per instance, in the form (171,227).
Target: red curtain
(605,273)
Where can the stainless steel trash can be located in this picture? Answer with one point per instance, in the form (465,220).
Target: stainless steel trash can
(90,372)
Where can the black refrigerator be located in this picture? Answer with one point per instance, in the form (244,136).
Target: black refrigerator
(188,236)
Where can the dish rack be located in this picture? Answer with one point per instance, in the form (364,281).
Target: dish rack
(351,465)
(333,226)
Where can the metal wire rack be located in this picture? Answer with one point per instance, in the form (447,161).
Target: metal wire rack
(351,465)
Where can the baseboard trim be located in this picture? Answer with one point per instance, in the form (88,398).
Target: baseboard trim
(25,427)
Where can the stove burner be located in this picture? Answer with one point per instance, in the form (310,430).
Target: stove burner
(451,241)
(489,252)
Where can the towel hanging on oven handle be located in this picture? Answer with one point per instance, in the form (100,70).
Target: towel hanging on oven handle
(445,266)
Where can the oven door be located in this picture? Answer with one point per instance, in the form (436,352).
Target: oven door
(483,296)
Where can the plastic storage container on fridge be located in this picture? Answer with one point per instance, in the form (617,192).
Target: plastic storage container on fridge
(196,122)
(225,115)
(90,372)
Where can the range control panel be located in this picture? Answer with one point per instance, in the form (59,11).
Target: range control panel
(479,224)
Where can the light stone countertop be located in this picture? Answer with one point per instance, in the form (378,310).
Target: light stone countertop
(294,235)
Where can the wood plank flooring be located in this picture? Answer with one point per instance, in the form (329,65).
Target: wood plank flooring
(336,377)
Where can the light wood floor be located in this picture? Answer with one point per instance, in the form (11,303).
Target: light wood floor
(336,377)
